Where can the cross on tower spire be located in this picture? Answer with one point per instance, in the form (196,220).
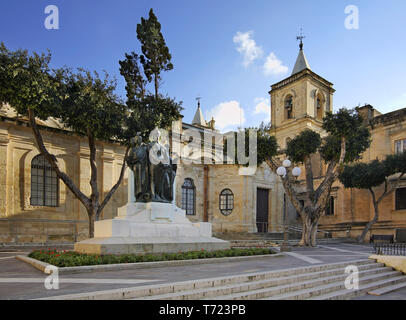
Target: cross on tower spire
(198,101)
(300,37)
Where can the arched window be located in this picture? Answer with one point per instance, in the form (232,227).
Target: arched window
(189,197)
(226,202)
(319,106)
(288,107)
(44,183)
(287,141)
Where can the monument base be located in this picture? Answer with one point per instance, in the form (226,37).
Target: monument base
(151,227)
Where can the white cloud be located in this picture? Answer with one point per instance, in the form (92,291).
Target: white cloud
(247,47)
(274,66)
(263,107)
(227,114)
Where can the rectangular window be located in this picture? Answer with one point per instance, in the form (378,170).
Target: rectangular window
(400,199)
(330,207)
(400,146)
(44,183)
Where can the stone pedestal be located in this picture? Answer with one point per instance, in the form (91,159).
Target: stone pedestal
(150,228)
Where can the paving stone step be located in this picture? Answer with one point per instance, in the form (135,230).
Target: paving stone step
(255,285)
(237,282)
(363,289)
(333,287)
(301,289)
(384,290)
(149,290)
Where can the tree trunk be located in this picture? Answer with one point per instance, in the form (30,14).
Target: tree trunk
(53,161)
(94,197)
(92,217)
(361,238)
(91,204)
(114,188)
(376,203)
(306,234)
(313,234)
(156,82)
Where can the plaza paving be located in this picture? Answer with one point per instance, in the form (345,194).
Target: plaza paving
(19,280)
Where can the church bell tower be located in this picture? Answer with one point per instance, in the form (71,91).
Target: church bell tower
(299,101)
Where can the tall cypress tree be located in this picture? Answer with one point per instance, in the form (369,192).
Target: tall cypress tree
(132,73)
(156,57)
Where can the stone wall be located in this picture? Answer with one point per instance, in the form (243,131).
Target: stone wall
(20,222)
(354,207)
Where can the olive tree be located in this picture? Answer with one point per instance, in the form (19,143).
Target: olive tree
(345,141)
(82,102)
(373,176)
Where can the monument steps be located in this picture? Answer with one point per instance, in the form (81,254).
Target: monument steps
(278,284)
(384,290)
(363,289)
(320,282)
(317,282)
(322,291)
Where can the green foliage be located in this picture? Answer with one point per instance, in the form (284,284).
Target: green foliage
(26,81)
(356,144)
(363,175)
(132,73)
(395,163)
(267,147)
(266,144)
(90,105)
(72,258)
(148,113)
(81,101)
(374,173)
(303,145)
(156,56)
(344,124)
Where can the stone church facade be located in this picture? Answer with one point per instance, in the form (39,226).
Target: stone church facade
(37,208)
(299,102)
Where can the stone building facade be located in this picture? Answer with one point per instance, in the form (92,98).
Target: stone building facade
(24,182)
(228,196)
(22,220)
(299,102)
(353,207)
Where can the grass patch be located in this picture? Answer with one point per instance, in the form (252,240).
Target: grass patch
(75,259)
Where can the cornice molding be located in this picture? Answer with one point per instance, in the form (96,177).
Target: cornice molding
(301,75)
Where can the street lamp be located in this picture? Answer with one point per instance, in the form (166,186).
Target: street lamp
(282,171)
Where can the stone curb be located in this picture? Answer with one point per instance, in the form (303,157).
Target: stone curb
(140,265)
(42,266)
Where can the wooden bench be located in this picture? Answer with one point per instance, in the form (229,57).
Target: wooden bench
(381,238)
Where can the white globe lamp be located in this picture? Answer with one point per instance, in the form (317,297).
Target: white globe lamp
(286,163)
(296,172)
(281,171)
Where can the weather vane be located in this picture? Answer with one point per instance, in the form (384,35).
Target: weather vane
(300,37)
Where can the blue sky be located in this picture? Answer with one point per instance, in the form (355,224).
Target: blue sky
(366,65)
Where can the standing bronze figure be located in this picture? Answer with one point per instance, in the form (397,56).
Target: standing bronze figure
(154,171)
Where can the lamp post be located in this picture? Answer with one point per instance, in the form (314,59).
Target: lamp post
(282,171)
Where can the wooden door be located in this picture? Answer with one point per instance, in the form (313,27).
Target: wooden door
(262,209)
